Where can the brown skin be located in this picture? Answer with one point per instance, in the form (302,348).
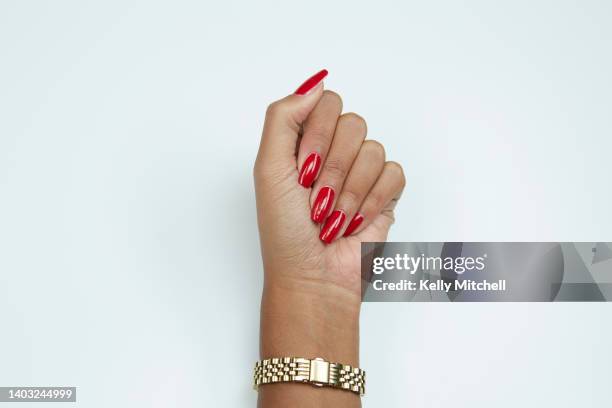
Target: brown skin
(312,295)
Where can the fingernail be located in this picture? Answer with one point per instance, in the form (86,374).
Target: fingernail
(311,82)
(310,169)
(353,225)
(322,204)
(333,225)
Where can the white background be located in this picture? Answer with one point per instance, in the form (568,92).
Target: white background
(129,258)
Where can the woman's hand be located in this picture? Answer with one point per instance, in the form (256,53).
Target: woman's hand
(321,190)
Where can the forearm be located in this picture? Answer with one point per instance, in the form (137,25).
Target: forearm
(308,322)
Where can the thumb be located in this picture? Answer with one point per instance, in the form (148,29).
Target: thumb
(284,119)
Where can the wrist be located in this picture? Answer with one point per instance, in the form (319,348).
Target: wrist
(307,318)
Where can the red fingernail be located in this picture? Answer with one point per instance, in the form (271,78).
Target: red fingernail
(353,225)
(333,225)
(310,170)
(322,204)
(311,82)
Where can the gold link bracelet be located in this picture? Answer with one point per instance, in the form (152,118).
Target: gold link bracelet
(315,371)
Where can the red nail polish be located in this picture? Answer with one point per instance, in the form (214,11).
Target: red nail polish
(311,82)
(310,170)
(333,225)
(322,204)
(353,225)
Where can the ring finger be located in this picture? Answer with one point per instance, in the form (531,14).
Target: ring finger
(363,174)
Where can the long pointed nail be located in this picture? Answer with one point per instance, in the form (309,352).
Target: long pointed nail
(333,225)
(310,170)
(311,82)
(353,225)
(322,204)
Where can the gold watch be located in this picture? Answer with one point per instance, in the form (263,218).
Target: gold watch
(317,372)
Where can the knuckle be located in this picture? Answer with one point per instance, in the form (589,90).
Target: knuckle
(333,99)
(350,200)
(354,121)
(375,148)
(318,133)
(397,171)
(378,201)
(335,168)
(372,204)
(275,110)
(389,214)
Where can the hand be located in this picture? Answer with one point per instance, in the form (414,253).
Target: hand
(321,190)
(312,221)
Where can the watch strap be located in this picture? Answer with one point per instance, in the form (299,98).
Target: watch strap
(317,372)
